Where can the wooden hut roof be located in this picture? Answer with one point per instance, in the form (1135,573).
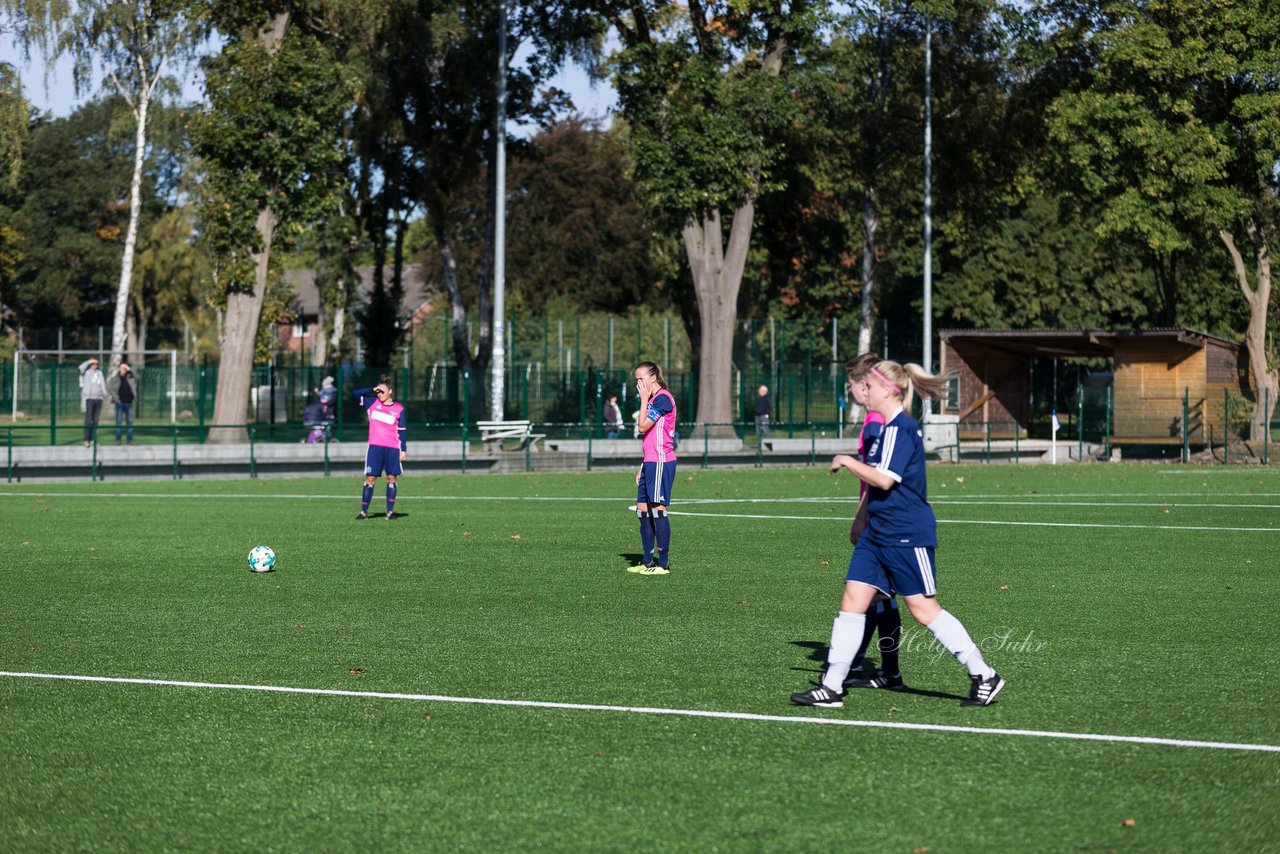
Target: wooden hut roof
(1067,343)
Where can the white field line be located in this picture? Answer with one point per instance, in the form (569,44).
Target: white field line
(987,522)
(648,710)
(764,516)
(993,500)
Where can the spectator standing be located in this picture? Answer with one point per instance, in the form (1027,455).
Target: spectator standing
(612,418)
(122,388)
(764,407)
(93,389)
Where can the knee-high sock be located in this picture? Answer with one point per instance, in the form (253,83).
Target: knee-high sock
(391,497)
(662,535)
(872,621)
(956,640)
(366,497)
(889,627)
(647,535)
(846,635)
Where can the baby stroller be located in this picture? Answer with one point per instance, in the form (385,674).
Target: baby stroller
(313,418)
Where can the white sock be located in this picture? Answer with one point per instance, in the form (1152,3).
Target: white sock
(846,637)
(947,629)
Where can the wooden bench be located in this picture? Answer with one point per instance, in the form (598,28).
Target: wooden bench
(494,433)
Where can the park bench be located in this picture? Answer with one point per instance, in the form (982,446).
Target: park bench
(494,433)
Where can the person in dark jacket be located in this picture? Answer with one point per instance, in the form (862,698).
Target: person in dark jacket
(764,408)
(122,388)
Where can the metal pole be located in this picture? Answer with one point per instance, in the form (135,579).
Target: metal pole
(499,365)
(927,309)
(173,386)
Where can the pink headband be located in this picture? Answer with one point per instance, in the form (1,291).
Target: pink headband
(886,381)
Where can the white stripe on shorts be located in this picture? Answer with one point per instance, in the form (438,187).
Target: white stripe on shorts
(926,572)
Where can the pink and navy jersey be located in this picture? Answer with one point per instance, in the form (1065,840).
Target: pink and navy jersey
(900,515)
(659,440)
(872,426)
(386,420)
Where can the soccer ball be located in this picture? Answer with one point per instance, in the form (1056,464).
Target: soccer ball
(262,559)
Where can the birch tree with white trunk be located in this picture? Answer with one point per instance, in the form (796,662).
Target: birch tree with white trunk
(130,47)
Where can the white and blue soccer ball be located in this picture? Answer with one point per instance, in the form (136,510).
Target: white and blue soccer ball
(262,559)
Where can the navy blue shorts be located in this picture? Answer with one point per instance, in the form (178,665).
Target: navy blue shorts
(906,571)
(655,483)
(378,460)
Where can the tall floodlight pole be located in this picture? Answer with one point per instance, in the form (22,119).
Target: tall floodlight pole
(928,201)
(496,408)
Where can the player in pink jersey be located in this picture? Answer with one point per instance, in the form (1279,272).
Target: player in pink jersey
(387,447)
(883,617)
(657,425)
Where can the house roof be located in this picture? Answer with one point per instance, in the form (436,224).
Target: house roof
(306,299)
(1067,343)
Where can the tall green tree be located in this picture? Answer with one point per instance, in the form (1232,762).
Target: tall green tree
(1176,133)
(268,142)
(66,207)
(582,229)
(137,43)
(703,91)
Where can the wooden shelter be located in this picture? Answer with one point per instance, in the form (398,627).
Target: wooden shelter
(1153,371)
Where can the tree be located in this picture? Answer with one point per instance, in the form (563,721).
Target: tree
(581,228)
(277,97)
(1176,133)
(136,42)
(67,210)
(428,122)
(702,91)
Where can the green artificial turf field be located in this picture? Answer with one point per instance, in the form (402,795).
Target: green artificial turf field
(1127,602)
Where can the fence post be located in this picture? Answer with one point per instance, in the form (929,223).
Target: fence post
(1107,450)
(1226,426)
(200,400)
(590,434)
(326,450)
(53,405)
(466,443)
(176,476)
(93,471)
(1079,423)
(253,472)
(9,464)
(704,444)
(759,450)
(988,423)
(1186,426)
(1266,423)
(813,443)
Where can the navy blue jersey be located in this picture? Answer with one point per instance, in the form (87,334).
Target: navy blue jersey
(900,515)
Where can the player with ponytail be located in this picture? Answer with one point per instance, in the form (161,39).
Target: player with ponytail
(895,554)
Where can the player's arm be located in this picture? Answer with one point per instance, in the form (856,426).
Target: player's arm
(859,520)
(868,474)
(366,396)
(404,433)
(650,413)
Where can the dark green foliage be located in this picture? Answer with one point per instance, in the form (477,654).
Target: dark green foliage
(266,139)
(69,209)
(580,229)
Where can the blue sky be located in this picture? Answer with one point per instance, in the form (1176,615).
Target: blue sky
(52,89)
